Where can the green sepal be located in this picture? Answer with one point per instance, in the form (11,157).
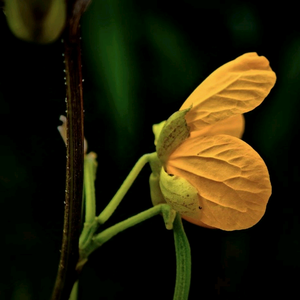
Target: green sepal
(157,128)
(174,132)
(180,194)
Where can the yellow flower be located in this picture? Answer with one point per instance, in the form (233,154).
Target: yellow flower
(207,173)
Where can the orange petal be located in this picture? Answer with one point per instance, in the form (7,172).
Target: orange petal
(231,178)
(233,126)
(235,88)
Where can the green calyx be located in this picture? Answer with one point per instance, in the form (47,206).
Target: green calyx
(171,135)
(179,194)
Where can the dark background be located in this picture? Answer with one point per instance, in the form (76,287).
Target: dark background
(141,60)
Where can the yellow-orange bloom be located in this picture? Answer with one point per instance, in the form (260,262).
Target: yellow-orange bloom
(231,179)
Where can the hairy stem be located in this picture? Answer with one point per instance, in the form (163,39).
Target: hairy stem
(67,274)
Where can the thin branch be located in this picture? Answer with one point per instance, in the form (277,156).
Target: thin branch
(67,274)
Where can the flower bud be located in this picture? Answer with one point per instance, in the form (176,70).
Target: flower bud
(36,21)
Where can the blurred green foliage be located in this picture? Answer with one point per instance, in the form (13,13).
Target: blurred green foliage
(141,60)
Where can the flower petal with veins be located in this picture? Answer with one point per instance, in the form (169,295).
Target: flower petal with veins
(235,88)
(231,178)
(234,126)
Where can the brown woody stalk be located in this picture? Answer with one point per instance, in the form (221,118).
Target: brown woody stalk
(67,273)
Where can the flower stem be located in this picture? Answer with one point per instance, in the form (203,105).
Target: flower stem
(104,236)
(74,293)
(115,201)
(183,261)
(90,166)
